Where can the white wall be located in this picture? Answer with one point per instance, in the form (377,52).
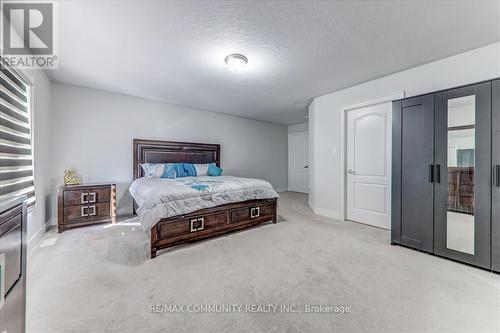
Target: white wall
(93,132)
(324,112)
(298,128)
(40,214)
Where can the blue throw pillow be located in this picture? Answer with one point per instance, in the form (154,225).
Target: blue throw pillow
(190,170)
(179,170)
(169,171)
(214,170)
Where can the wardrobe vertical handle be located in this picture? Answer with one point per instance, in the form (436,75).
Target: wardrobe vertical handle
(496,175)
(438,173)
(497,167)
(431,173)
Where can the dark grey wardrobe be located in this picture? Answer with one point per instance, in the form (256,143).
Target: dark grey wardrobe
(446,174)
(495,193)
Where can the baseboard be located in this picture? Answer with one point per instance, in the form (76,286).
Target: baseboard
(124,211)
(35,240)
(281,189)
(332,214)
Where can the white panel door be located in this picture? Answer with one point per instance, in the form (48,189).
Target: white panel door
(369,165)
(298,159)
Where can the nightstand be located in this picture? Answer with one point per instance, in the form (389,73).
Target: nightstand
(85,204)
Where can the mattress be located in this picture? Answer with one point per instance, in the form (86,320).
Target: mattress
(159,198)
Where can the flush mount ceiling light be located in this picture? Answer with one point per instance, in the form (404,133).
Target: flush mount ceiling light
(236,62)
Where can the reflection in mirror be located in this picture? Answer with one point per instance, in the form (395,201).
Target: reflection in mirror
(461,167)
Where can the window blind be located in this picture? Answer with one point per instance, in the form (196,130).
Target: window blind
(16,154)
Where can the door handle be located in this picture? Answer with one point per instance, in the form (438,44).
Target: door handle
(438,173)
(496,175)
(83,212)
(197,224)
(306,167)
(431,173)
(351,172)
(91,210)
(254,212)
(92,197)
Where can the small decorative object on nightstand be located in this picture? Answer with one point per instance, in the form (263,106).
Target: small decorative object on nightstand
(85,204)
(70,178)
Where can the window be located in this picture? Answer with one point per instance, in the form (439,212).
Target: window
(16,154)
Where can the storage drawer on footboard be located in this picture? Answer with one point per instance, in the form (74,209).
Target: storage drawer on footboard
(252,212)
(187,226)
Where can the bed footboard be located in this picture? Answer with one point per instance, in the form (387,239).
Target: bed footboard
(211,222)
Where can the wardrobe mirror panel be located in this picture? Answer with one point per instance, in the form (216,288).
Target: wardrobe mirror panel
(460,174)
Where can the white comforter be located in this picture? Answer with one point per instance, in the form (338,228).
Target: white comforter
(160,198)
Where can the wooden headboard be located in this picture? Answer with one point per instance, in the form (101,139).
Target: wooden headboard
(154,151)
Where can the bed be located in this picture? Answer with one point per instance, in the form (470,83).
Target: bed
(187,209)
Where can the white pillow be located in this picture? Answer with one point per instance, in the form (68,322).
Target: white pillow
(159,170)
(201,169)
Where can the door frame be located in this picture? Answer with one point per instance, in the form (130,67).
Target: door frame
(343,147)
(290,135)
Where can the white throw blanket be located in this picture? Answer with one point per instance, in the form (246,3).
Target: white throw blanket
(160,198)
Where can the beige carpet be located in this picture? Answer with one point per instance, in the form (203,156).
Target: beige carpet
(99,279)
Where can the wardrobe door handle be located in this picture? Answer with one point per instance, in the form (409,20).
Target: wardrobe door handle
(496,175)
(431,173)
(438,173)
(497,167)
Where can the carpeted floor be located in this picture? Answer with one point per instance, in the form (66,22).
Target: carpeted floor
(99,279)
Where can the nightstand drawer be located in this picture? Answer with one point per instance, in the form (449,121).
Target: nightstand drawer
(75,213)
(99,195)
(86,196)
(84,212)
(74,197)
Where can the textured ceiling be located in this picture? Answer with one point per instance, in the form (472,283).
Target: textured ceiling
(174,51)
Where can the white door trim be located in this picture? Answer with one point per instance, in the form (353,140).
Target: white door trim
(290,135)
(343,147)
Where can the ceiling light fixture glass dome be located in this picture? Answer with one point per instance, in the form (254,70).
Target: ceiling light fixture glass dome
(236,62)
